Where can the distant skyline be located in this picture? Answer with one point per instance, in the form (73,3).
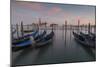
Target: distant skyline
(30,12)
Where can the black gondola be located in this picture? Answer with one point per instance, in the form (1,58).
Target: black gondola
(83,40)
(39,36)
(45,40)
(27,31)
(90,36)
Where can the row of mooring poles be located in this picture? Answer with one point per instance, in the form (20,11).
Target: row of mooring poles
(89,29)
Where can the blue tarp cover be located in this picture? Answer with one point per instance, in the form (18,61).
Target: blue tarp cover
(29,42)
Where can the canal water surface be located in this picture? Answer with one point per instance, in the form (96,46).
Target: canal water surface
(63,49)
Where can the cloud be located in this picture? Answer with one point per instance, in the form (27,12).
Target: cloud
(31,6)
(41,9)
(54,10)
(84,19)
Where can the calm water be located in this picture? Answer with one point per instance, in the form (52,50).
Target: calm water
(63,49)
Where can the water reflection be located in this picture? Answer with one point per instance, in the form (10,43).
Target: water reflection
(63,49)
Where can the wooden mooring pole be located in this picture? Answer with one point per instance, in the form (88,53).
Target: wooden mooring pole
(89,28)
(12,31)
(78,25)
(65,31)
(65,25)
(45,25)
(22,33)
(17,30)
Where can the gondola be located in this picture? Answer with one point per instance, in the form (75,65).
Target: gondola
(28,35)
(45,40)
(24,38)
(83,40)
(90,36)
(20,40)
(93,36)
(40,36)
(22,45)
(27,31)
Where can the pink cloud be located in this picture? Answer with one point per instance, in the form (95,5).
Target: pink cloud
(85,20)
(54,10)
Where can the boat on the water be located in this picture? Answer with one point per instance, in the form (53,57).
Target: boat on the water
(20,40)
(45,40)
(83,40)
(22,45)
(40,36)
(93,34)
(24,37)
(27,31)
(90,36)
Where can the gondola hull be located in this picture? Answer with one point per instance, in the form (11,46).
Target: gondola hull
(14,49)
(90,36)
(38,37)
(22,45)
(25,36)
(82,40)
(41,44)
(27,31)
(17,41)
(45,41)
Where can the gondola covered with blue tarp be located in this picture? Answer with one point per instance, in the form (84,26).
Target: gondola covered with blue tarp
(28,35)
(24,38)
(20,40)
(23,42)
(22,45)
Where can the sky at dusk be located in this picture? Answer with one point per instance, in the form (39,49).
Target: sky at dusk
(30,12)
